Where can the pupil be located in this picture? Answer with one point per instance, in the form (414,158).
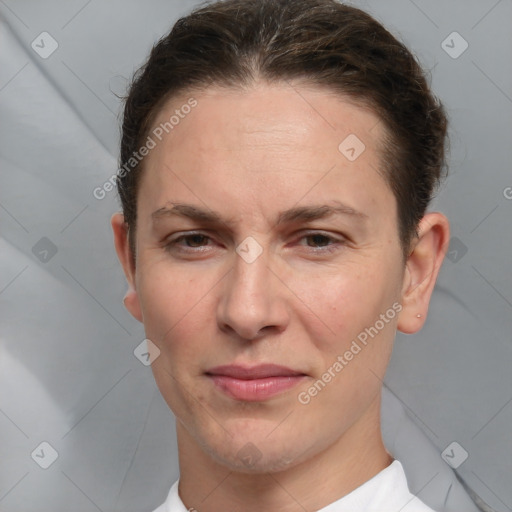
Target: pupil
(319,240)
(196,240)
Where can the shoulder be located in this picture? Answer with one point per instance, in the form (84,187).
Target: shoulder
(385,492)
(403,500)
(173,502)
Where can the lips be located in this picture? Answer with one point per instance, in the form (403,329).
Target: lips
(255,372)
(254,383)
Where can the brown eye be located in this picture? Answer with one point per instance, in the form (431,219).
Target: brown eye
(318,240)
(318,243)
(195,240)
(189,243)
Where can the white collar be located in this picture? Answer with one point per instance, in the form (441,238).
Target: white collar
(385,492)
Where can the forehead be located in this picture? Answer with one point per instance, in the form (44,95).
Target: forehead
(283,109)
(281,141)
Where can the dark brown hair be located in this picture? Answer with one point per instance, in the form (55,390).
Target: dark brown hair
(235,42)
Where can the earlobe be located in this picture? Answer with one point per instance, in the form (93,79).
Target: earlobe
(422,269)
(132,304)
(124,253)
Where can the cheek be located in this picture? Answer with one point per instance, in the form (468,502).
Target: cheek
(353,343)
(174,303)
(345,300)
(177,317)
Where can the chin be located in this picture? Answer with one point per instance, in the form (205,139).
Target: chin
(256,454)
(261,463)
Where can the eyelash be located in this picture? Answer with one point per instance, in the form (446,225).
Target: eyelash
(333,245)
(173,243)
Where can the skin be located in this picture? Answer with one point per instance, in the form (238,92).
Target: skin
(249,155)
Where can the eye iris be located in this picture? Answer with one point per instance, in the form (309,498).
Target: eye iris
(319,240)
(195,240)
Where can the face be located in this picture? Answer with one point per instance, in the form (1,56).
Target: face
(267,236)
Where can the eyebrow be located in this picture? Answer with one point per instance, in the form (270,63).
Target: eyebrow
(293,215)
(311,213)
(188,211)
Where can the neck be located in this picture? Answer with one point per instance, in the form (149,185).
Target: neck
(353,459)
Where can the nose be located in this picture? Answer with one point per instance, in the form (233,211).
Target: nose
(253,302)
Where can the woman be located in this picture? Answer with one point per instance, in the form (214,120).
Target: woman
(277,161)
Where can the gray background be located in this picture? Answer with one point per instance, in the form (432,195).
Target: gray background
(68,374)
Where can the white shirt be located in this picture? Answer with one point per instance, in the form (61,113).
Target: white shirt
(385,492)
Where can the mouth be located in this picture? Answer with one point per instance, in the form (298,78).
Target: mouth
(256,383)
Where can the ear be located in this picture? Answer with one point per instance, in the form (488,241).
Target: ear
(421,271)
(124,253)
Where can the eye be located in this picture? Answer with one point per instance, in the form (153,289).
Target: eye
(319,242)
(195,240)
(191,242)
